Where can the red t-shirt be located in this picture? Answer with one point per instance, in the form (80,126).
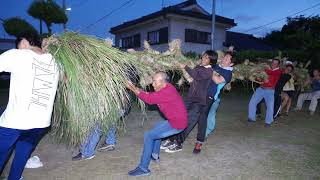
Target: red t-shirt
(170,104)
(273,77)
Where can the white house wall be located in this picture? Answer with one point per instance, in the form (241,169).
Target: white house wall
(177,31)
(176,27)
(143,29)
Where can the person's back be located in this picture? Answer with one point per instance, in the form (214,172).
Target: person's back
(34,80)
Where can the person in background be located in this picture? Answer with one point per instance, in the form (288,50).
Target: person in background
(198,103)
(266,92)
(222,76)
(33,86)
(287,95)
(314,95)
(284,78)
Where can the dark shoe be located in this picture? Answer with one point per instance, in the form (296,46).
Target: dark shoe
(267,125)
(197,148)
(286,114)
(173,149)
(167,144)
(251,121)
(259,115)
(139,172)
(106,147)
(80,157)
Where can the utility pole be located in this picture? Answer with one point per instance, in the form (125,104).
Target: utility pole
(64,6)
(213,23)
(162,4)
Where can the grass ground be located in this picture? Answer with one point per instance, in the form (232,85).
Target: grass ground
(289,149)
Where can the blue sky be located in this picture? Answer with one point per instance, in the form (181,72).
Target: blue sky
(247,13)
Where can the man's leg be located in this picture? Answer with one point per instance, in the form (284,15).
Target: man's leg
(25,145)
(88,147)
(193,116)
(110,140)
(314,102)
(202,121)
(302,97)
(268,95)
(111,136)
(211,121)
(8,138)
(255,99)
(277,104)
(152,140)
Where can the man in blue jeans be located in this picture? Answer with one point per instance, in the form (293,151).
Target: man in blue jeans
(171,105)
(87,148)
(266,92)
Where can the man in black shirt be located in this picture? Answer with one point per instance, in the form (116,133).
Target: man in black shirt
(284,78)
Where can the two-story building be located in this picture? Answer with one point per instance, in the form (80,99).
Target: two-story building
(186,21)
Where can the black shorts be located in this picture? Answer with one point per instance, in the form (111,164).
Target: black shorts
(290,93)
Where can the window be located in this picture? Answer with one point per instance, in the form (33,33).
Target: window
(159,36)
(195,36)
(131,41)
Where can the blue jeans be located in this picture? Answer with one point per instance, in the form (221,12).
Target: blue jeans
(212,117)
(152,140)
(268,96)
(87,148)
(24,142)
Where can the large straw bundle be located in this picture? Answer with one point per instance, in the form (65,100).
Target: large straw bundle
(93,76)
(92,87)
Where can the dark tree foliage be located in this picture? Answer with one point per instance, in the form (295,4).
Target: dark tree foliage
(16,26)
(299,39)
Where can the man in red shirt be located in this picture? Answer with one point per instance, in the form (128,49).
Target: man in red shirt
(266,92)
(171,105)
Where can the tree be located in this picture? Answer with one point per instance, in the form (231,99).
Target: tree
(299,38)
(48,11)
(15,26)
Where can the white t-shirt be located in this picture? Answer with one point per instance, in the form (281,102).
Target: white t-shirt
(33,86)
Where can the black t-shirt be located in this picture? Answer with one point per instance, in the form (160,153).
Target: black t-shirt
(284,78)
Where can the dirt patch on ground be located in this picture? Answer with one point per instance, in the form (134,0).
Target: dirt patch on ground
(287,150)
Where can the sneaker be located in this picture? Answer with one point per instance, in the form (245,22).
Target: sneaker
(267,125)
(80,157)
(106,147)
(197,148)
(251,121)
(139,172)
(167,144)
(173,149)
(311,113)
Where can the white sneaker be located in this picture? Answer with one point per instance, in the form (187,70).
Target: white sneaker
(34,162)
(167,144)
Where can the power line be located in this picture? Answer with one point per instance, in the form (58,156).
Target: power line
(105,16)
(282,18)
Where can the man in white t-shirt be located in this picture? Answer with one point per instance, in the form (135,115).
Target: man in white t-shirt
(33,85)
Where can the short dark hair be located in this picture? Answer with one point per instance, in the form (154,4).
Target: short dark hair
(290,65)
(276,59)
(212,55)
(32,38)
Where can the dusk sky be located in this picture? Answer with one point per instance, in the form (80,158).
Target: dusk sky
(248,14)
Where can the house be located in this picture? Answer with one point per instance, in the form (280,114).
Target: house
(242,41)
(186,21)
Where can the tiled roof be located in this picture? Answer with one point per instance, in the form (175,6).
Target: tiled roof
(176,9)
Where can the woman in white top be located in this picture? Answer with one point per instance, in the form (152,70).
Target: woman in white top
(287,94)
